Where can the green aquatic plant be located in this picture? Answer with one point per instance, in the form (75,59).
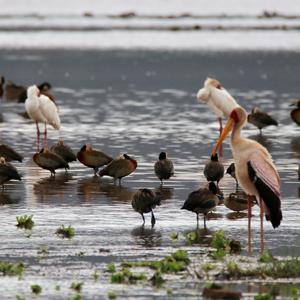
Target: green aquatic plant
(11,269)
(220,241)
(288,268)
(25,222)
(126,276)
(66,232)
(169,292)
(294,294)
(43,251)
(157,279)
(112,295)
(266,256)
(174,236)
(76,286)
(264,297)
(95,275)
(191,237)
(36,289)
(111,268)
(57,287)
(20,298)
(218,255)
(76,297)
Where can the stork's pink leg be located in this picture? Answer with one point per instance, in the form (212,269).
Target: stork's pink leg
(37,136)
(220,130)
(45,137)
(262,213)
(249,225)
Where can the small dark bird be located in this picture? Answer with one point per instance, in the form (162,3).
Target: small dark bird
(238,201)
(163,168)
(231,171)
(7,172)
(202,201)
(119,167)
(93,158)
(260,119)
(64,151)
(49,161)
(44,90)
(295,113)
(2,81)
(214,170)
(144,201)
(10,154)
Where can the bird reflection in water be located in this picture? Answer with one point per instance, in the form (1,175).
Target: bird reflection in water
(166,193)
(146,237)
(52,186)
(198,236)
(295,145)
(6,198)
(263,140)
(116,192)
(89,188)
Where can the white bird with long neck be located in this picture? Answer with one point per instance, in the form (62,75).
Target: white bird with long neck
(254,170)
(41,109)
(218,100)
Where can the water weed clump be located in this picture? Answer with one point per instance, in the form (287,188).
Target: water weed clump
(126,276)
(111,295)
(264,297)
(174,236)
(76,286)
(25,222)
(66,232)
(288,268)
(36,289)
(266,257)
(11,269)
(157,279)
(111,268)
(220,241)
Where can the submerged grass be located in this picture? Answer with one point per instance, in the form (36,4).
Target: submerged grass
(66,232)
(76,286)
(36,289)
(25,222)
(11,269)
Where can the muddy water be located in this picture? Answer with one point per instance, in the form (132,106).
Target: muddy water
(138,103)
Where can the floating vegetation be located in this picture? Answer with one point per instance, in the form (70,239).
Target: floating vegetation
(111,268)
(11,269)
(266,257)
(174,236)
(264,297)
(20,298)
(157,279)
(76,297)
(25,222)
(126,276)
(43,251)
(111,295)
(36,289)
(76,286)
(66,232)
(220,241)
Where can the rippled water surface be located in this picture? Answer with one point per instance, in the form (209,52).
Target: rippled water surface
(138,103)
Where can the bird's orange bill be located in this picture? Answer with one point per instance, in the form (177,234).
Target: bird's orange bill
(228,127)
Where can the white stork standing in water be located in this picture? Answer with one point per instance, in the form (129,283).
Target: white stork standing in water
(255,172)
(41,109)
(218,100)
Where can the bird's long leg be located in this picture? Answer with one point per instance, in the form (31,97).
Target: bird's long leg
(220,130)
(204,217)
(45,137)
(37,136)
(249,225)
(262,212)
(143,218)
(152,218)
(197,221)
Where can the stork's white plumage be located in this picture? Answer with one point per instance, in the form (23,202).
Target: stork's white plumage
(41,109)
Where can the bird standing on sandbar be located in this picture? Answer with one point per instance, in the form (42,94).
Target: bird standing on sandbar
(163,168)
(218,100)
(214,170)
(93,158)
(255,172)
(202,201)
(260,119)
(49,161)
(120,167)
(41,110)
(7,172)
(144,201)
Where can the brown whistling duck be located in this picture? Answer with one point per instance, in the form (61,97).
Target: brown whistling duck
(163,168)
(295,113)
(144,201)
(231,171)
(7,172)
(202,201)
(214,170)
(238,201)
(10,154)
(93,158)
(119,167)
(49,161)
(64,151)
(260,119)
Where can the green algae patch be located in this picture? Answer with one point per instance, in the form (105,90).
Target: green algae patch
(11,269)
(25,222)
(65,232)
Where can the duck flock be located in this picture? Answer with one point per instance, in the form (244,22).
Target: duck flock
(253,168)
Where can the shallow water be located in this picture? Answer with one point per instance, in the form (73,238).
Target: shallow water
(138,103)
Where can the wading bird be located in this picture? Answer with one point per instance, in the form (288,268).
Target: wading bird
(93,158)
(295,113)
(163,168)
(7,172)
(10,154)
(41,110)
(49,161)
(218,100)
(261,119)
(120,167)
(144,201)
(255,172)
(64,151)
(202,201)
(214,170)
